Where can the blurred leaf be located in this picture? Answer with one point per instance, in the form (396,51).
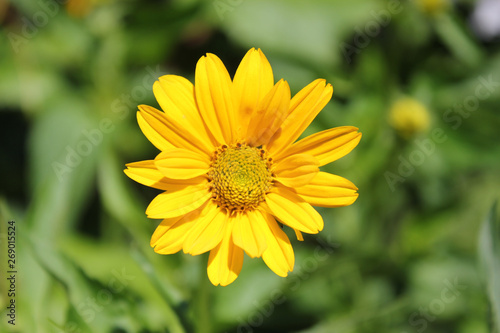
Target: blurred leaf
(489,252)
(170,296)
(119,200)
(256,290)
(87,254)
(9,92)
(61,179)
(455,37)
(306,31)
(64,149)
(81,291)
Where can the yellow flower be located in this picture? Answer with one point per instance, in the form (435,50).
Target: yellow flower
(230,168)
(433,6)
(408,116)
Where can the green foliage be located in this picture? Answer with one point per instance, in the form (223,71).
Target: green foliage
(402,258)
(489,250)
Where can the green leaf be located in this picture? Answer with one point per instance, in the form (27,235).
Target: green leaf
(256,290)
(459,43)
(62,165)
(309,31)
(489,251)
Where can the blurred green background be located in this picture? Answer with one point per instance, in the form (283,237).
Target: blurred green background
(421,79)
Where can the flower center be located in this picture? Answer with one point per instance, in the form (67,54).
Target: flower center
(240,177)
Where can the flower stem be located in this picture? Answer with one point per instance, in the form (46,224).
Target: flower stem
(202,309)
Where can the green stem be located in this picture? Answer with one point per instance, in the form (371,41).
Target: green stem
(202,309)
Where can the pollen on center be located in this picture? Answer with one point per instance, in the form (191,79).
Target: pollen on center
(240,177)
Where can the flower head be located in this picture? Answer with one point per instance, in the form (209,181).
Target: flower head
(409,117)
(230,168)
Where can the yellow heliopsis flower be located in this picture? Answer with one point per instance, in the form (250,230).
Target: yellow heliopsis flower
(230,166)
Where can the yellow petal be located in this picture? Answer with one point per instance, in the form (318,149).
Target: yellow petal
(269,115)
(328,190)
(213,92)
(225,260)
(169,236)
(164,134)
(249,233)
(154,130)
(293,211)
(146,173)
(207,232)
(178,163)
(175,95)
(296,170)
(298,234)
(162,228)
(173,204)
(327,146)
(304,107)
(252,81)
(278,255)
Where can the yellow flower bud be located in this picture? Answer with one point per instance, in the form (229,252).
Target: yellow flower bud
(409,117)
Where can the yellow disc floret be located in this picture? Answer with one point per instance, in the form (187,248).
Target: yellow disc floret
(240,177)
